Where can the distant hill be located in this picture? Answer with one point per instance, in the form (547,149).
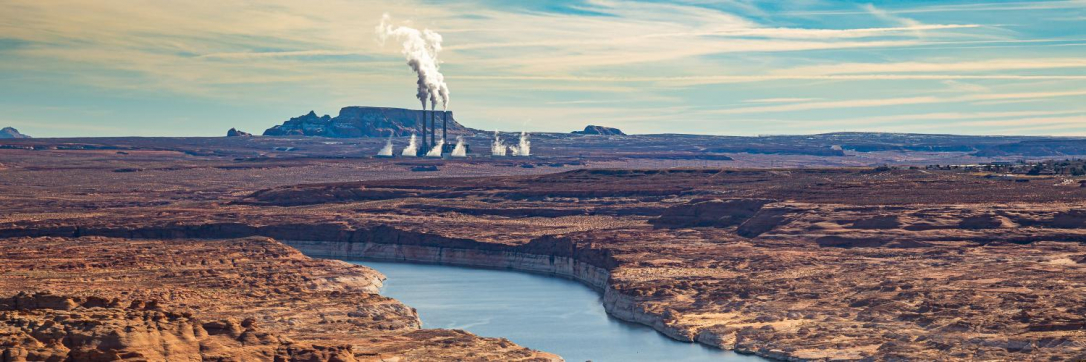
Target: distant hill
(9,132)
(849,148)
(234,132)
(1037,148)
(600,130)
(364,122)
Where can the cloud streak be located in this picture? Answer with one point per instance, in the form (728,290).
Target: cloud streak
(680,60)
(888,102)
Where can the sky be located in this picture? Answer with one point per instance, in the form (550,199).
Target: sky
(730,67)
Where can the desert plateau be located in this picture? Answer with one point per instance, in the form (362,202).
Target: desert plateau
(544,181)
(189,255)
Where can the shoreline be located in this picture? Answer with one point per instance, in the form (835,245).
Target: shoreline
(620,306)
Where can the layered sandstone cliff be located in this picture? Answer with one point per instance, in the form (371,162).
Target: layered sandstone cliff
(99,299)
(818,264)
(368,122)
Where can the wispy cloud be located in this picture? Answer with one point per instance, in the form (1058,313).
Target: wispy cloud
(725,79)
(582,62)
(278,54)
(1077,120)
(950,119)
(779,100)
(917,26)
(968,7)
(864,103)
(959,67)
(958,86)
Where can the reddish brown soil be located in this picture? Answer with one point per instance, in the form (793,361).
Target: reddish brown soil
(810,264)
(101,299)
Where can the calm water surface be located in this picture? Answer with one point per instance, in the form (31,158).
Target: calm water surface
(541,312)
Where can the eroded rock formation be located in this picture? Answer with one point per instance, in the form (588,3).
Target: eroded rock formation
(600,130)
(366,122)
(233,132)
(103,299)
(815,264)
(10,132)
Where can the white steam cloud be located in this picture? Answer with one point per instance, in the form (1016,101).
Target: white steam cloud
(420,48)
(412,149)
(436,150)
(497,148)
(460,150)
(387,150)
(524,148)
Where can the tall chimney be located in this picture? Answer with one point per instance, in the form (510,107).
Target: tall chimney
(433,125)
(424,127)
(444,122)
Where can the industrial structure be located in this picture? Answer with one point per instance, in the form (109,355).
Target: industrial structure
(431,123)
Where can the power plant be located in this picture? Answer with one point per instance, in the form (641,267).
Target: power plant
(429,134)
(421,49)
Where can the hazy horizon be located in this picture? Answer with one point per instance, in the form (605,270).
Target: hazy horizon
(743,68)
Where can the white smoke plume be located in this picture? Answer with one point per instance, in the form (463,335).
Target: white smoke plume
(421,49)
(436,151)
(387,150)
(412,149)
(498,147)
(460,150)
(524,148)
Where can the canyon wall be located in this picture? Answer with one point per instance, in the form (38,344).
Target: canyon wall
(547,255)
(592,276)
(617,304)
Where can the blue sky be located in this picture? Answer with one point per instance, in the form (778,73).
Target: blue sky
(198,68)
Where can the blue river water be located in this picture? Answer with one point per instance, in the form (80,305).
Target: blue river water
(540,312)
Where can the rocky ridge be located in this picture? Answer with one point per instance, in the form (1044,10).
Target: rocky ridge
(366,122)
(97,299)
(234,132)
(814,264)
(600,130)
(801,264)
(46,327)
(10,132)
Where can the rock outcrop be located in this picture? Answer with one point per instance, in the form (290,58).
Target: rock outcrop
(800,264)
(366,122)
(600,130)
(254,299)
(711,213)
(234,132)
(1037,148)
(46,327)
(9,132)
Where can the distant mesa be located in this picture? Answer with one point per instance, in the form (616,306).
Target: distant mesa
(1047,147)
(9,132)
(600,130)
(366,122)
(233,132)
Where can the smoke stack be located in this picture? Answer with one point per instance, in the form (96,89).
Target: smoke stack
(420,49)
(444,126)
(424,126)
(433,125)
